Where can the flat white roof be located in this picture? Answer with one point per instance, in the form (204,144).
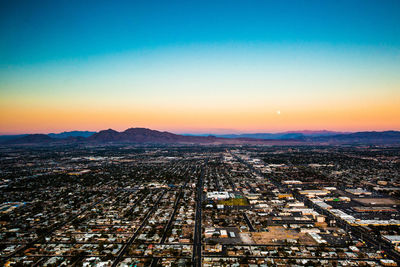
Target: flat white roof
(392,238)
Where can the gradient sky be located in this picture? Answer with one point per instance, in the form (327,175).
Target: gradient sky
(207,66)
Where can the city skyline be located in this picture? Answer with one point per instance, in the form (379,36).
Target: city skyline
(226,67)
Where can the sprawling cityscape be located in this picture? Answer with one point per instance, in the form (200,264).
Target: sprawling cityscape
(179,205)
(227,133)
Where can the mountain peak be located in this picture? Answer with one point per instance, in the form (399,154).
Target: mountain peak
(138,130)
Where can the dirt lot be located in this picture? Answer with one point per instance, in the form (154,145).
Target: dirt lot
(278,235)
(377,201)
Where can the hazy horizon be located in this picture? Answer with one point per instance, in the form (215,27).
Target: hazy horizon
(203,132)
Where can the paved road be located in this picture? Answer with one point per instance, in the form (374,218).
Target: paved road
(248,222)
(357,231)
(52,229)
(133,237)
(196,255)
(168,226)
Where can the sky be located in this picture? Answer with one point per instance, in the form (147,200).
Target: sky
(199,66)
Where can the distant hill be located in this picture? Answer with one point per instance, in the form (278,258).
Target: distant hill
(317,133)
(31,139)
(144,135)
(4,138)
(386,137)
(269,136)
(279,136)
(71,134)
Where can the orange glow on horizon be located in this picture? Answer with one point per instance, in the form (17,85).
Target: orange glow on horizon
(45,119)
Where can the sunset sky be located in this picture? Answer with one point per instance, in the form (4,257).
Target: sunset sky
(206,67)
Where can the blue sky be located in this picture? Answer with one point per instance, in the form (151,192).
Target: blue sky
(199,65)
(42,31)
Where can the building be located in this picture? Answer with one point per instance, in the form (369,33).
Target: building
(218,195)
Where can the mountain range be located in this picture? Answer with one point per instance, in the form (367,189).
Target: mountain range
(277,136)
(148,136)
(71,134)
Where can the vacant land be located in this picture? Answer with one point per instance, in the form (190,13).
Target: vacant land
(377,201)
(234,202)
(278,234)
